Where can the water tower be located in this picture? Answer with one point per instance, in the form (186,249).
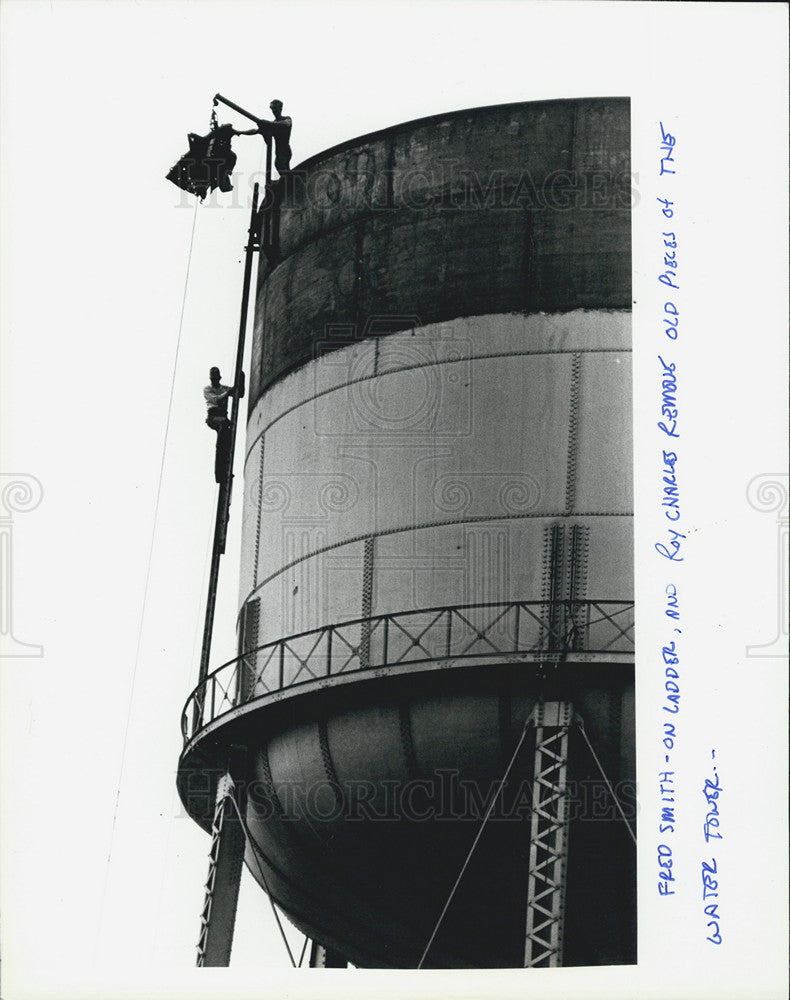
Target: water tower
(424,751)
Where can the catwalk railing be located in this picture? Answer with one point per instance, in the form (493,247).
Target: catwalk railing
(543,631)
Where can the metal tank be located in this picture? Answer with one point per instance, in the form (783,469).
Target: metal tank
(437,548)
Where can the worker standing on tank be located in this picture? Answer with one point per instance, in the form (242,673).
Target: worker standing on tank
(280,131)
(216,396)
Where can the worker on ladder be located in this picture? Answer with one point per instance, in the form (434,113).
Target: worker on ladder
(216,396)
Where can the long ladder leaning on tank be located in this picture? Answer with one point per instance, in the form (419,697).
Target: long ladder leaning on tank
(226,854)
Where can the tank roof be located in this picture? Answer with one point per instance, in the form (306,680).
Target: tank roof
(442,116)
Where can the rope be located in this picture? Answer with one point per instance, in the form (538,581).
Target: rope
(477,838)
(304,949)
(254,846)
(148,570)
(608,783)
(187,672)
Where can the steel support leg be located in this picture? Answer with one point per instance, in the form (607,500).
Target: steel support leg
(226,858)
(324,958)
(548,836)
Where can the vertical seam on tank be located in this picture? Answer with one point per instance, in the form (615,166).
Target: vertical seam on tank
(573,563)
(268,781)
(584,561)
(258,518)
(546,564)
(546,582)
(248,640)
(329,766)
(559,582)
(407,740)
(567,555)
(573,433)
(291,831)
(367,576)
(577,583)
(367,600)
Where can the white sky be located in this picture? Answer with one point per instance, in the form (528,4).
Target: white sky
(97,99)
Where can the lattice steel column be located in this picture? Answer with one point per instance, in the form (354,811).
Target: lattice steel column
(548,836)
(226,858)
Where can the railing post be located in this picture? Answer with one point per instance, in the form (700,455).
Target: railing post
(257,674)
(329,652)
(384,660)
(449,632)
(282,666)
(197,715)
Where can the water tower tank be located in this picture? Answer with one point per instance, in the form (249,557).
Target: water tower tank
(437,540)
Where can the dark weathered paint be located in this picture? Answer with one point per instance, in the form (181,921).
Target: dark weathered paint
(520,208)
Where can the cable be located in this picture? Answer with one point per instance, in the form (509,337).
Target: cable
(490,809)
(474,845)
(189,668)
(608,784)
(254,846)
(147,573)
(304,949)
